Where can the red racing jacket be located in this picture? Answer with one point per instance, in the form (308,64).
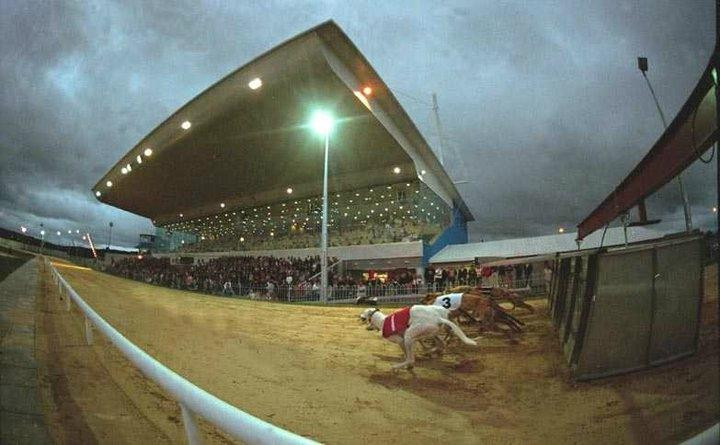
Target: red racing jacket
(396,323)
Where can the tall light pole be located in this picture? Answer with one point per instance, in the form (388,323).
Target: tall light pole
(643,67)
(322,122)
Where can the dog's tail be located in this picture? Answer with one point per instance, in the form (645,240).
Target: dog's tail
(457,331)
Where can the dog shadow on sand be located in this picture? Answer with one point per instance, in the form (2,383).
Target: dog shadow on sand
(432,379)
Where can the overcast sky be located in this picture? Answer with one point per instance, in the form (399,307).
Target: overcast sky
(541,101)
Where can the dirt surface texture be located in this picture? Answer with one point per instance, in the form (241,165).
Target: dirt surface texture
(318,372)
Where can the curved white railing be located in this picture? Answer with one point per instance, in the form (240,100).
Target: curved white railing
(192,399)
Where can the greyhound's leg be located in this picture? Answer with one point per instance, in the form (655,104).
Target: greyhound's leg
(412,335)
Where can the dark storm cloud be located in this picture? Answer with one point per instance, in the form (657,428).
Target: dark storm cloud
(542,106)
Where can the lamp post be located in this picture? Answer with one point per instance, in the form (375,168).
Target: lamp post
(322,122)
(643,67)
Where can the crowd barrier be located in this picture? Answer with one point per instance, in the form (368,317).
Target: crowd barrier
(341,294)
(192,399)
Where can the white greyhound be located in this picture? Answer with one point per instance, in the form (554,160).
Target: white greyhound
(424,322)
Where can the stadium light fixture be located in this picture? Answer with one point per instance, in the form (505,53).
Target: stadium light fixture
(69,232)
(128,167)
(139,159)
(396,170)
(322,123)
(42,232)
(109,183)
(255,83)
(186,125)
(23,229)
(97,193)
(123,171)
(148,152)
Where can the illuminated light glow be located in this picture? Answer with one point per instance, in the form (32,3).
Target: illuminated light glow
(97,193)
(69,232)
(561,230)
(422,172)
(396,170)
(367,91)
(242,240)
(222,206)
(128,167)
(58,233)
(139,159)
(714,209)
(186,125)
(139,257)
(23,229)
(362,99)
(181,215)
(322,123)
(255,83)
(148,152)
(109,183)
(123,171)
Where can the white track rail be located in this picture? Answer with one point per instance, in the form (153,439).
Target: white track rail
(192,399)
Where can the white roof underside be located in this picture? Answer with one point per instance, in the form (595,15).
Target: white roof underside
(540,245)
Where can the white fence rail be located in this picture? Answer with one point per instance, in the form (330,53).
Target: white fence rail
(192,399)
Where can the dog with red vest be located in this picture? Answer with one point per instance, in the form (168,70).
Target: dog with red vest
(410,325)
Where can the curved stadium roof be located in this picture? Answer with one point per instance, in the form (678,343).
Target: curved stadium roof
(246,146)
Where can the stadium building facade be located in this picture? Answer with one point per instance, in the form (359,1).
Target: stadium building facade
(239,170)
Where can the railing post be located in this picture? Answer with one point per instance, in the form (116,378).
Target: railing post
(191,428)
(88,331)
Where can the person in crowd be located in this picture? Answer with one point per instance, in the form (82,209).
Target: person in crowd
(547,277)
(527,271)
(227,288)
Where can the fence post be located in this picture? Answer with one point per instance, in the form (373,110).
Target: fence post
(88,332)
(191,428)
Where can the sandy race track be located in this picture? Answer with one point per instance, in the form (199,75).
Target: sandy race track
(317,372)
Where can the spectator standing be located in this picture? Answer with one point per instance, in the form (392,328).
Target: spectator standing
(528,270)
(547,277)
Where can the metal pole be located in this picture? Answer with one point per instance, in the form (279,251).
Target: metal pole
(191,427)
(439,130)
(323,241)
(683,193)
(715,74)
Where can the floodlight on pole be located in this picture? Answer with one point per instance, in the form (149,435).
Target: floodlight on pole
(322,122)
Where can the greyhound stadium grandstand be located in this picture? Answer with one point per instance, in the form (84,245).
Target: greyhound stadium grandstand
(235,184)
(238,168)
